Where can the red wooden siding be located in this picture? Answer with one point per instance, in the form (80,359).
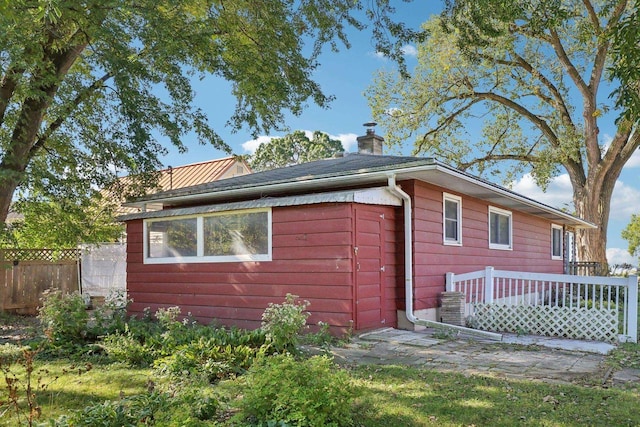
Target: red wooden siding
(312,258)
(432,259)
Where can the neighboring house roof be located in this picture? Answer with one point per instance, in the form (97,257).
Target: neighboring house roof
(191,175)
(203,172)
(350,171)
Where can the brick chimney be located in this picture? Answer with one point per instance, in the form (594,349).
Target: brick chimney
(370,143)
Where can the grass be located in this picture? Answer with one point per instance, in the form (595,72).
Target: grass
(63,386)
(389,395)
(397,395)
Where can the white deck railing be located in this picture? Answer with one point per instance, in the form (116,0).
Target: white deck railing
(519,297)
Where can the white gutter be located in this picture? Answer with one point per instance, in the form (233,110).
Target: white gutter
(408,270)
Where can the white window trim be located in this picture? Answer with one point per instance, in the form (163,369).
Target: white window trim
(200,258)
(509,214)
(557,227)
(453,198)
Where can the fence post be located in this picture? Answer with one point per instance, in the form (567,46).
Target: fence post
(488,285)
(449,286)
(632,310)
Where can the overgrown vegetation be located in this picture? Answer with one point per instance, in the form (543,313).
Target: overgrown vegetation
(165,369)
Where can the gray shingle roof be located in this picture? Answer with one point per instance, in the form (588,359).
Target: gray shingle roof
(351,164)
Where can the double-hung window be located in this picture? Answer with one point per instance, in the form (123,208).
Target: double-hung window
(556,241)
(451,219)
(218,237)
(500,229)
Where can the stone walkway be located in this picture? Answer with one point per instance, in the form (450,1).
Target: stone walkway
(467,355)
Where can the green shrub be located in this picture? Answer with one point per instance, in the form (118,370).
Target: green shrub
(124,347)
(132,411)
(111,317)
(216,355)
(63,317)
(283,391)
(283,323)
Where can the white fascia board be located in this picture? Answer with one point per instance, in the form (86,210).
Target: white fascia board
(371,196)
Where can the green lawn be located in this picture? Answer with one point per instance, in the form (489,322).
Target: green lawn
(396,395)
(388,396)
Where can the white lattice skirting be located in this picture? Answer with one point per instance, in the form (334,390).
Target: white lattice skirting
(577,323)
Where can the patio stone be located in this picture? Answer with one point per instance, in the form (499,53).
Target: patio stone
(530,359)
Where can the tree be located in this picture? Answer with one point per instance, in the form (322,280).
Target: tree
(63,223)
(293,149)
(541,76)
(632,235)
(87,87)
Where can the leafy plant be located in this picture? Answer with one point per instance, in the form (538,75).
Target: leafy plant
(127,412)
(124,347)
(283,323)
(64,317)
(281,390)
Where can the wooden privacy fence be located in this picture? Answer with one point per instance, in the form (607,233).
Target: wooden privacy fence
(26,273)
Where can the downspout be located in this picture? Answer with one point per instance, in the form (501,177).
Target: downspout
(408,270)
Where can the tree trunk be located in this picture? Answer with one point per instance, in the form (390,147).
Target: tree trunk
(592,203)
(7,189)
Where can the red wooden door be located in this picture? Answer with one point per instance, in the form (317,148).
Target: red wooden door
(369,266)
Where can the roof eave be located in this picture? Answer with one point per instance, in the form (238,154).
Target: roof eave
(370,178)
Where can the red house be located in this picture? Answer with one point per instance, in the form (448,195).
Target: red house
(366,238)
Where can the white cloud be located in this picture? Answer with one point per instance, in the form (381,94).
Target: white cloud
(349,140)
(559,193)
(251,146)
(618,256)
(409,50)
(624,202)
(634,161)
(377,55)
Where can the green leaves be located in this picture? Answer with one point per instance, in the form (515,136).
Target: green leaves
(294,148)
(632,235)
(94,90)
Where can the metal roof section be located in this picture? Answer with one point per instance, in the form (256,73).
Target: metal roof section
(356,170)
(197,173)
(370,196)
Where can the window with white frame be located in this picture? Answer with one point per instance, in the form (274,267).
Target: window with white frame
(220,237)
(500,229)
(451,219)
(556,241)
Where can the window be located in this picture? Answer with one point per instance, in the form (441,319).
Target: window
(499,229)
(222,237)
(556,241)
(452,219)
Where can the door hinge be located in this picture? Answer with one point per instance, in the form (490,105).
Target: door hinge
(382,268)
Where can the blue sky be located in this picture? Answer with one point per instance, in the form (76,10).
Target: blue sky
(346,75)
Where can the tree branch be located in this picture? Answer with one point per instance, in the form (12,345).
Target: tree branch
(498,157)
(7,87)
(447,120)
(592,15)
(559,104)
(603,48)
(556,43)
(512,105)
(80,97)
